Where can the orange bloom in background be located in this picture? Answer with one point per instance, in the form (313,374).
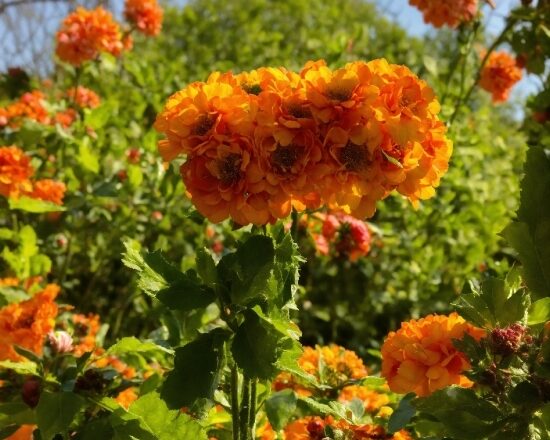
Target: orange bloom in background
(25,432)
(15,171)
(145,15)
(85,33)
(125,370)
(260,143)
(127,397)
(49,191)
(372,400)
(65,118)
(347,235)
(29,106)
(421,358)
(85,330)
(499,75)
(27,323)
(83,97)
(446,12)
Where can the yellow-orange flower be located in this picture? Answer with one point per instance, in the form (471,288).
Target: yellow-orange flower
(421,358)
(85,330)
(29,106)
(127,397)
(25,432)
(85,33)
(372,400)
(15,171)
(145,15)
(499,75)
(446,12)
(83,97)
(48,190)
(27,323)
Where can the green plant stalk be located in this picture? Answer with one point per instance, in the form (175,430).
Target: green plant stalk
(252,419)
(462,99)
(245,410)
(235,400)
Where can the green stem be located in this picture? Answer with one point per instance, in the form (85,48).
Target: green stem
(252,420)
(462,99)
(235,400)
(245,410)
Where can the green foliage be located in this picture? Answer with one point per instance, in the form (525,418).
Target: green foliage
(56,411)
(280,407)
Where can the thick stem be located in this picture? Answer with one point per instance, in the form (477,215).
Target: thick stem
(235,400)
(252,420)
(245,410)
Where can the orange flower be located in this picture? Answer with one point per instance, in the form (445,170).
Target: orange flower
(446,12)
(421,358)
(145,15)
(25,432)
(48,190)
(127,397)
(125,370)
(29,106)
(27,323)
(85,330)
(499,75)
(65,118)
(372,400)
(349,236)
(85,33)
(15,171)
(83,97)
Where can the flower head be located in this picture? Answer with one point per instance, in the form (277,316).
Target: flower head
(27,323)
(48,190)
(29,106)
(499,75)
(15,171)
(127,397)
(446,12)
(61,341)
(83,97)
(421,358)
(85,330)
(85,33)
(145,15)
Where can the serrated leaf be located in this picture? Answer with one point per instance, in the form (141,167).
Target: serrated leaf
(196,370)
(206,267)
(56,411)
(335,409)
(133,345)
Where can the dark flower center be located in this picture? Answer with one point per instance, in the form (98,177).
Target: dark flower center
(204,124)
(284,158)
(298,111)
(339,93)
(353,157)
(252,89)
(229,169)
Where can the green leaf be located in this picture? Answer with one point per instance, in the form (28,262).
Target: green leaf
(257,346)
(97,117)
(431,64)
(149,280)
(402,414)
(133,345)
(135,176)
(88,158)
(26,368)
(539,312)
(97,429)
(185,295)
(288,362)
(525,394)
(206,267)
(154,417)
(335,409)
(36,206)
(56,411)
(196,372)
(16,413)
(280,407)
(465,415)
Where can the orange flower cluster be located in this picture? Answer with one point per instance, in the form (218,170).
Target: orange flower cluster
(262,142)
(127,397)
(339,366)
(27,323)
(446,12)
(313,428)
(421,358)
(29,106)
(15,178)
(372,400)
(499,75)
(115,363)
(83,97)
(25,432)
(85,330)
(145,15)
(342,234)
(85,33)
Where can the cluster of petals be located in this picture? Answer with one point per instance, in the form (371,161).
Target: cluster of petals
(342,235)
(260,143)
(16,173)
(313,428)
(27,323)
(25,432)
(372,400)
(126,397)
(85,330)
(420,357)
(83,97)
(85,33)
(499,74)
(446,12)
(29,106)
(339,365)
(145,15)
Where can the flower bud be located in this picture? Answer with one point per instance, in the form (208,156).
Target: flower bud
(61,342)
(507,341)
(30,392)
